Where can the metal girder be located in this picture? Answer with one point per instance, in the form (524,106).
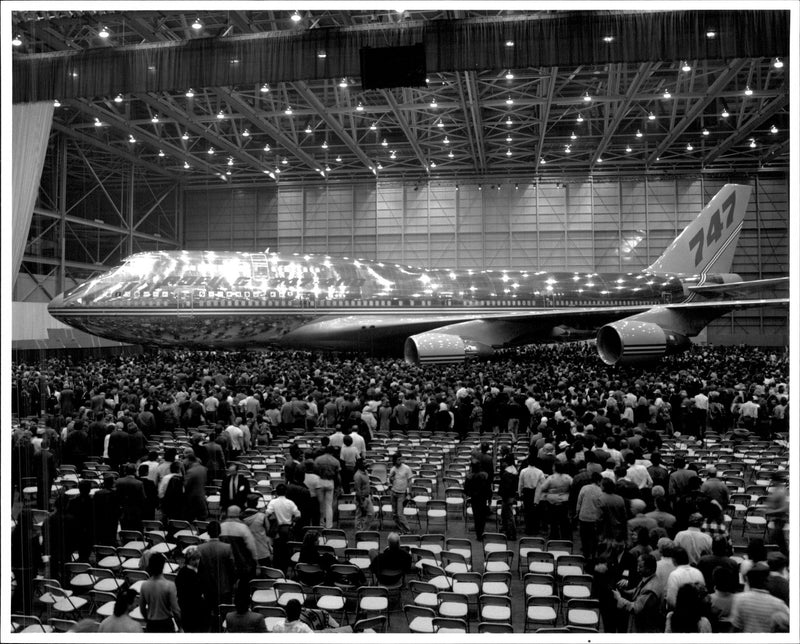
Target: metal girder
(548,89)
(90,140)
(621,109)
(727,75)
(472,112)
(259,121)
(336,127)
(103,226)
(404,126)
(49,261)
(757,119)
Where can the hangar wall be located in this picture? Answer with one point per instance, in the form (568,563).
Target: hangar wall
(580,225)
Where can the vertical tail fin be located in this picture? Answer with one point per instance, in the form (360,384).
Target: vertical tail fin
(708,243)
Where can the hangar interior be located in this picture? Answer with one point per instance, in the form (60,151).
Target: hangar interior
(532,139)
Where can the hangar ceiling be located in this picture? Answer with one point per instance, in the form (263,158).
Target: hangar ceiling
(699,114)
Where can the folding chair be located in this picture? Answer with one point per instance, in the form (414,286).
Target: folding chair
(423,594)
(287,590)
(29,624)
(368,539)
(460,546)
(583,612)
(66,603)
(570,565)
(436,510)
(493,541)
(755,521)
(494,608)
(102,603)
(358,557)
(421,556)
(542,563)
(347,577)
(433,542)
(272,615)
(105,580)
(371,625)
(420,619)
(538,585)
(107,557)
(372,599)
(496,583)
(469,584)
(454,562)
(437,576)
(559,547)
(541,612)
(526,545)
(450,625)
(492,627)
(135,579)
(576,587)
(346,507)
(263,592)
(132,539)
(331,599)
(498,561)
(454,605)
(179,528)
(309,575)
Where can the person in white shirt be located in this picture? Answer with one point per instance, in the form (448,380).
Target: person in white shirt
(530,478)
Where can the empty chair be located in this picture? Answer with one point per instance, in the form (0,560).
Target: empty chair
(494,608)
(493,541)
(433,542)
(421,556)
(102,603)
(132,539)
(496,583)
(469,584)
(105,580)
(583,612)
(346,576)
(436,511)
(526,545)
(460,546)
(541,612)
(495,627)
(286,590)
(135,579)
(450,625)
(107,557)
(371,599)
(755,521)
(66,603)
(437,576)
(420,619)
(498,561)
(570,565)
(263,592)
(454,562)
(346,507)
(452,604)
(29,624)
(542,563)
(538,585)
(371,625)
(559,547)
(576,587)
(368,539)
(358,557)
(331,599)
(423,594)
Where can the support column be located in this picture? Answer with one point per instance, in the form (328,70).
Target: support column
(62,211)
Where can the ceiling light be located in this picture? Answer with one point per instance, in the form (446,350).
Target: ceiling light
(434,104)
(543,161)
(651,116)
(210,150)
(161,153)
(450,154)
(711,33)
(228,172)
(308,128)
(131,139)
(508,152)
(185,136)
(230,160)
(509,122)
(509,101)
(480,187)
(773,130)
(327,168)
(599,159)
(197,24)
(446,141)
(97,122)
(433,164)
(748,91)
(689,147)
(17,41)
(296,17)
(324,145)
(439,123)
(508,139)
(685,66)
(288,110)
(267,148)
(285,161)
(778,63)
(265,88)
(338,158)
(380,166)
(705,131)
(567,150)
(629,149)
(384,143)
(373,127)
(220,114)
(580,118)
(393,155)
(608,38)
(103,33)
(667,94)
(573,136)
(246,133)
(322,54)
(752,143)
(509,75)
(509,43)
(586,97)
(343,83)
(154,119)
(186,165)
(118,98)
(639,134)
(516,186)
(277,170)
(359,108)
(725,114)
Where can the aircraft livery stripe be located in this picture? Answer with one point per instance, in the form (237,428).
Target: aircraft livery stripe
(704,275)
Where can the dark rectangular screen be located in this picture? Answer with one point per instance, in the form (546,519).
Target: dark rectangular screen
(385,67)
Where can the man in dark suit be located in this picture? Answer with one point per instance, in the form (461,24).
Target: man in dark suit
(131,496)
(194,486)
(106,512)
(645,600)
(216,570)
(235,488)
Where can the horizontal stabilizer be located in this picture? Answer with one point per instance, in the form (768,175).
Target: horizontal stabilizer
(740,289)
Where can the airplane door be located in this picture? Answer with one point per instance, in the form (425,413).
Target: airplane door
(185,298)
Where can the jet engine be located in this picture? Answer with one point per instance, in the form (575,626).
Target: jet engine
(433,347)
(633,340)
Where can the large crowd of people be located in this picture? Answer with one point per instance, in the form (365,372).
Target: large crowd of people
(633,465)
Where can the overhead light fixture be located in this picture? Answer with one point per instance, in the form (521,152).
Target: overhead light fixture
(228,172)
(325,145)
(509,75)
(567,149)
(131,139)
(373,127)
(639,134)
(210,151)
(296,17)
(752,143)
(154,119)
(685,66)
(56,103)
(433,164)
(246,133)
(267,148)
(265,88)
(288,110)
(777,63)
(277,170)
(359,107)
(711,33)
(651,116)
(543,161)
(599,159)
(220,114)
(608,38)
(285,161)
(689,147)
(480,187)
(186,165)
(450,154)
(161,153)
(185,136)
(17,41)
(384,143)
(189,93)
(446,141)
(509,43)
(393,155)
(343,83)
(380,166)
(705,131)
(667,94)
(508,139)
(118,98)
(230,160)
(773,130)
(327,168)
(748,91)
(628,149)
(197,24)
(508,152)
(509,101)
(725,114)
(434,104)
(439,123)
(580,118)
(103,33)
(338,158)
(586,97)
(516,186)
(509,122)
(97,122)
(573,136)
(322,54)
(308,128)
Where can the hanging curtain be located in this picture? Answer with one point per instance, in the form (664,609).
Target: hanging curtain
(29,134)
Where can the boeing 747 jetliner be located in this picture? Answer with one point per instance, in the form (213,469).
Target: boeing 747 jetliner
(244,300)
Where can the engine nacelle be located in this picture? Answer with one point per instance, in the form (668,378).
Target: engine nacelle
(433,347)
(631,341)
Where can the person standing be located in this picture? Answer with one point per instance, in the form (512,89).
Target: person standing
(589,515)
(327,467)
(216,571)
(235,488)
(131,497)
(119,621)
(755,610)
(365,509)
(194,486)
(192,602)
(159,598)
(555,491)
(479,490)
(399,483)
(509,482)
(283,512)
(645,600)
(530,478)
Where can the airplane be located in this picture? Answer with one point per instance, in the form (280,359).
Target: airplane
(235,300)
